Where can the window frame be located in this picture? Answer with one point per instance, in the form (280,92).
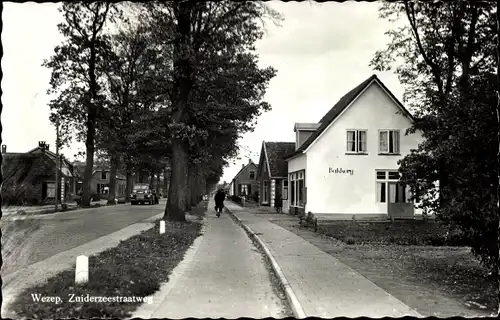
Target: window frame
(403,191)
(105,175)
(250,174)
(396,145)
(357,141)
(284,195)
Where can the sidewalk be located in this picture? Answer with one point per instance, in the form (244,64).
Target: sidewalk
(222,275)
(14,283)
(323,286)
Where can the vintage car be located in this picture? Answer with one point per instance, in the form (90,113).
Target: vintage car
(142,193)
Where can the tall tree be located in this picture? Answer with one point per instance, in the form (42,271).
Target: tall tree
(77,69)
(447,59)
(196,28)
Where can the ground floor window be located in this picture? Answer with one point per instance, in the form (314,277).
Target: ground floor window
(389,189)
(243,189)
(297,188)
(285,190)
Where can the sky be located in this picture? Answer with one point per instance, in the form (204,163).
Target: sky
(320,52)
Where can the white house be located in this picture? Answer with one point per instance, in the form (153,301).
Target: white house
(347,163)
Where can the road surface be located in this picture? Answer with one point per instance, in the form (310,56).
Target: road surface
(28,241)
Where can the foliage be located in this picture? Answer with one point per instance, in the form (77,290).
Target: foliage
(446,58)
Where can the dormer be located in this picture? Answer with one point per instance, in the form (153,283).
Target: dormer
(303,131)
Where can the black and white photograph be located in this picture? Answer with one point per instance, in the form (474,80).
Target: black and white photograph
(259,159)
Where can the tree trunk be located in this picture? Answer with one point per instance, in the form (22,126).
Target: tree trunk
(176,202)
(128,186)
(166,181)
(112,180)
(182,85)
(89,164)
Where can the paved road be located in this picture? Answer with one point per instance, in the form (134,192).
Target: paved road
(28,241)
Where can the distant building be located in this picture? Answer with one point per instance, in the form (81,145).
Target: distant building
(30,177)
(245,182)
(273,172)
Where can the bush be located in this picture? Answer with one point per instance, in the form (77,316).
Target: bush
(19,195)
(350,240)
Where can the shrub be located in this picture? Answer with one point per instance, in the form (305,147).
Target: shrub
(350,240)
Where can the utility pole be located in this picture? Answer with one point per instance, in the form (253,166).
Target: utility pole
(57,165)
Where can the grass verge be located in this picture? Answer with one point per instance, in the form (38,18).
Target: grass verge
(135,268)
(402,232)
(276,284)
(439,281)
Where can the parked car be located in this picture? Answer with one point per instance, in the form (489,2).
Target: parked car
(142,193)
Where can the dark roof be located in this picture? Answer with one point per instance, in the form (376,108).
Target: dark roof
(340,106)
(16,167)
(276,153)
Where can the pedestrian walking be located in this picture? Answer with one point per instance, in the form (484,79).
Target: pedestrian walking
(219,201)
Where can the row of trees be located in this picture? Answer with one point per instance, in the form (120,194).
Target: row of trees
(447,61)
(160,84)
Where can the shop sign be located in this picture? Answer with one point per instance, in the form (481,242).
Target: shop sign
(341,171)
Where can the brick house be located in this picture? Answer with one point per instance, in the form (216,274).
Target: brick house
(245,182)
(273,172)
(30,177)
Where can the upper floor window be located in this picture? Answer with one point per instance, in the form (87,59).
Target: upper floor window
(252,175)
(389,141)
(356,141)
(103,175)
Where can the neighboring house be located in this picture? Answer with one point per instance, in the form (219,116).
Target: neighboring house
(349,164)
(273,172)
(101,179)
(245,182)
(32,176)
(231,188)
(100,183)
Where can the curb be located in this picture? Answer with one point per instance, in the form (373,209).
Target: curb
(297,310)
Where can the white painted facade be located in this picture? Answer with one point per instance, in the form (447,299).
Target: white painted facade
(341,183)
(231,188)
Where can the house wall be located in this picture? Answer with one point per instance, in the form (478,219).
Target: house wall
(264,176)
(97,179)
(244,178)
(295,164)
(354,193)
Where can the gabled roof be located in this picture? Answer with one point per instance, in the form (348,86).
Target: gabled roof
(341,105)
(16,168)
(67,167)
(275,154)
(244,168)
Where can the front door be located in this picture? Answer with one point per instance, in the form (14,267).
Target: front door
(265,198)
(399,206)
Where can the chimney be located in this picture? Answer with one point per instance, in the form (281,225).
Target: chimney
(41,144)
(4,148)
(249,160)
(242,165)
(47,146)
